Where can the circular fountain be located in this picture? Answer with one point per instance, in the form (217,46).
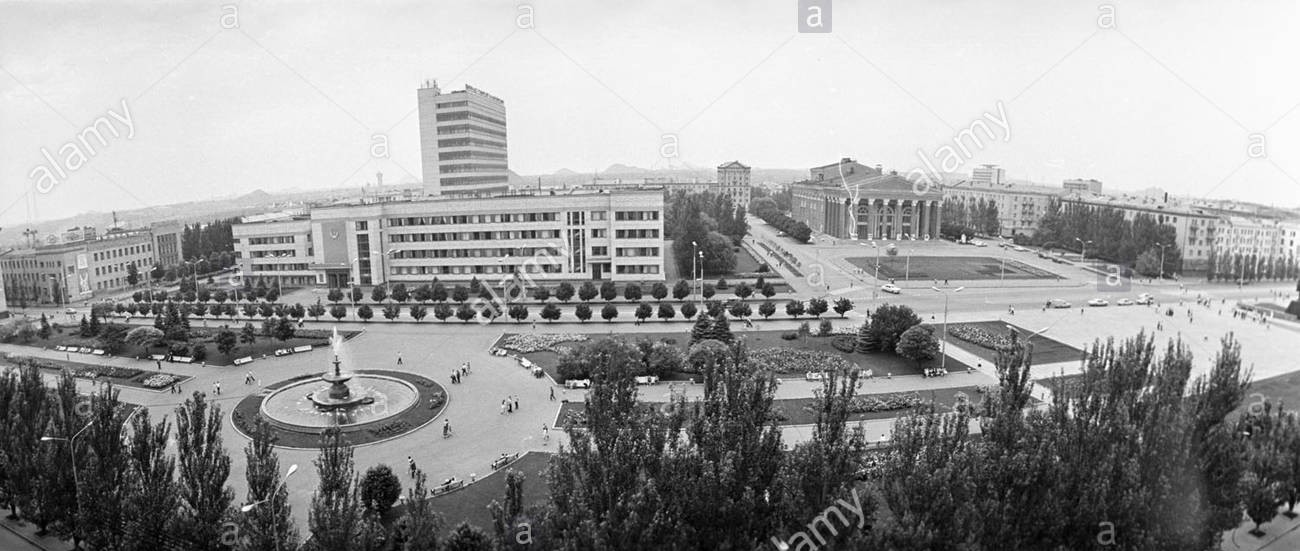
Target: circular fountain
(363,403)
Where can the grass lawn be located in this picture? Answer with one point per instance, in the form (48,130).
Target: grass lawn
(470,504)
(949,267)
(263,346)
(1046,349)
(119,376)
(1284,388)
(879,363)
(745,263)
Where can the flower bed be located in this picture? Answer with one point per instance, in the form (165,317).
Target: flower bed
(546,342)
(980,337)
(160,380)
(887,402)
(793,360)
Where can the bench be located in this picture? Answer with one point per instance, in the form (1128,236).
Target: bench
(647,380)
(157,357)
(61,348)
(448,486)
(183,359)
(283,352)
(578,383)
(504,460)
(84,350)
(97,352)
(303,348)
(814,376)
(244,360)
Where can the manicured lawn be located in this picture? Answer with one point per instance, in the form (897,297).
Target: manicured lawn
(1284,389)
(263,346)
(1046,349)
(880,364)
(949,267)
(470,504)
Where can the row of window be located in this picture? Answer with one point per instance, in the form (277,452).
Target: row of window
(476,253)
(124,251)
(450,104)
(476,269)
(272,253)
(470,167)
(474,236)
(470,142)
(636,269)
(458,155)
(636,215)
(272,240)
(472,180)
(120,267)
(468,129)
(637,234)
(279,267)
(473,219)
(466,115)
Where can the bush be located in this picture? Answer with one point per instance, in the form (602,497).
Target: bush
(380,489)
(824,329)
(844,343)
(789,335)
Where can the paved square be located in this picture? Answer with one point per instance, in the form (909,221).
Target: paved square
(949,267)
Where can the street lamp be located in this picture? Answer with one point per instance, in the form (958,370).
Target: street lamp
(1162,259)
(943,360)
(72,454)
(694,253)
(249,507)
(877,247)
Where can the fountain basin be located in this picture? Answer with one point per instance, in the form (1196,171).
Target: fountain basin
(315,404)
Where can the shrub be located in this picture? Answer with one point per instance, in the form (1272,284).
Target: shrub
(380,489)
(824,329)
(844,343)
(789,335)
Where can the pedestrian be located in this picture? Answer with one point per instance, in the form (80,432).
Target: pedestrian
(510,406)
(216,388)
(159,362)
(552,394)
(446,428)
(399,358)
(503,407)
(410,466)
(546,434)
(453,378)
(516,403)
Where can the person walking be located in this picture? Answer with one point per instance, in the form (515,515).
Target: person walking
(510,405)
(552,394)
(159,362)
(546,434)
(446,428)
(503,407)
(399,358)
(410,466)
(516,403)
(216,388)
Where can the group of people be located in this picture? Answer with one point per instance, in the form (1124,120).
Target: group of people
(457,374)
(249,379)
(509,405)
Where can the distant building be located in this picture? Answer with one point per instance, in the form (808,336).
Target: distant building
(70,271)
(462,141)
(733,181)
(1081,186)
(565,236)
(987,175)
(1194,228)
(1269,244)
(886,207)
(1020,207)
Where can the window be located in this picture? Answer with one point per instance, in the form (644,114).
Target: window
(362,225)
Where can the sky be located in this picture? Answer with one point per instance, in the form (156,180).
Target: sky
(1200,98)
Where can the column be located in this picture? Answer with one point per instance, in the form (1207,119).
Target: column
(898,218)
(935,213)
(925,220)
(917,229)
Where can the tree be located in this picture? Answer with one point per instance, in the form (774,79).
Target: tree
(465,313)
(702,330)
(132,274)
(439,293)
(632,292)
(467,537)
(643,312)
(316,310)
(582,311)
(918,344)
(609,312)
(284,329)
(740,310)
(391,311)
(334,295)
(1261,499)
(442,311)
(338,311)
(112,339)
(721,330)
(380,489)
(269,525)
(766,309)
(144,336)
(400,293)
(459,294)
(769,290)
(419,525)
(708,291)
(418,312)
(658,291)
(608,291)
(542,293)
(743,290)
(504,515)
(564,292)
(150,495)
(355,294)
(45,330)
(378,294)
(794,308)
(587,292)
(550,312)
(226,341)
(889,322)
(335,516)
(666,312)
(518,312)
(843,306)
(248,335)
(817,307)
(85,328)
(688,310)
(102,488)
(681,289)
(204,467)
(365,312)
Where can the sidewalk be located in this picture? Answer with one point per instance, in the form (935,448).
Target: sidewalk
(19,535)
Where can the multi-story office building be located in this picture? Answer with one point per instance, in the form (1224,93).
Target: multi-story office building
(550,237)
(1269,244)
(887,206)
(988,175)
(462,141)
(80,269)
(1020,207)
(733,181)
(1081,186)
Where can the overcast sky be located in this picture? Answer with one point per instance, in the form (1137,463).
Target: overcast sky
(294,96)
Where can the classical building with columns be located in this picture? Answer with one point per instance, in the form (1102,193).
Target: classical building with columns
(866,204)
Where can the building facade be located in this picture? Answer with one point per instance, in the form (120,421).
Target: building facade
(1020,207)
(1269,244)
(550,237)
(79,270)
(1081,186)
(988,175)
(733,181)
(462,141)
(1195,229)
(866,205)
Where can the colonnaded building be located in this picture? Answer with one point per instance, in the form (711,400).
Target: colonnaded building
(561,236)
(849,200)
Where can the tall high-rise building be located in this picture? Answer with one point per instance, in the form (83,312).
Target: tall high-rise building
(987,175)
(462,141)
(733,181)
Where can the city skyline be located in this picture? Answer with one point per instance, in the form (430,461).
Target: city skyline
(1082,103)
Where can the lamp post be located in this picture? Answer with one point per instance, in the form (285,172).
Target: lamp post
(701,256)
(907,268)
(249,507)
(1162,259)
(877,247)
(943,359)
(694,253)
(72,455)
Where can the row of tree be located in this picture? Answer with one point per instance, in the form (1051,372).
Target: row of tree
(969,218)
(202,241)
(1105,233)
(608,291)
(704,228)
(1225,266)
(781,221)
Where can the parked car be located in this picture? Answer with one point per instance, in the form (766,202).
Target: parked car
(1058,303)
(1145,298)
(1098,302)
(1021,249)
(980,243)
(70,311)
(1124,302)
(891,288)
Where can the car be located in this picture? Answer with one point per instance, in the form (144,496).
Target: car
(891,288)
(980,243)
(1021,249)
(1125,302)
(70,311)
(1058,303)
(1145,298)
(1098,302)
